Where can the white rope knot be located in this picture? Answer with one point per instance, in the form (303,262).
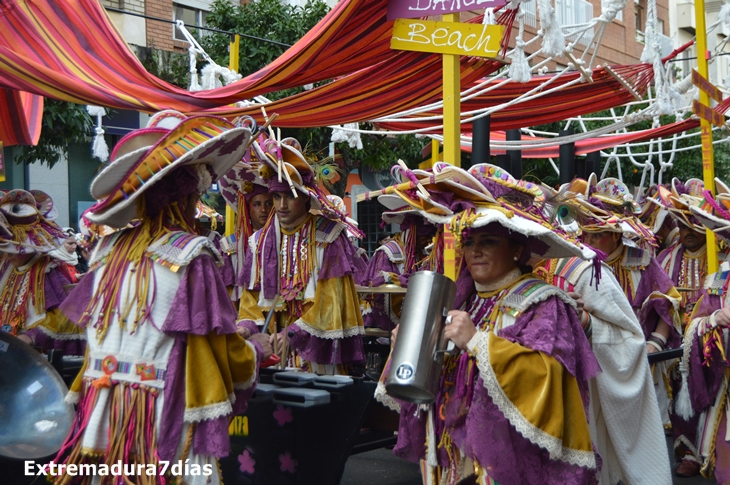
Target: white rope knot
(553,42)
(99,148)
(347,133)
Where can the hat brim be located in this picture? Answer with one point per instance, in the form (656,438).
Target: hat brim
(221,153)
(557,247)
(463,184)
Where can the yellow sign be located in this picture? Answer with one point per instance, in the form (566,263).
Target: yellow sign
(238,426)
(2,163)
(447,37)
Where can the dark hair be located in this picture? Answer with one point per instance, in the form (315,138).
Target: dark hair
(177,186)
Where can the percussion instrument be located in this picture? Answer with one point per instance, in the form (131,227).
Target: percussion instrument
(418,353)
(34,418)
(388,288)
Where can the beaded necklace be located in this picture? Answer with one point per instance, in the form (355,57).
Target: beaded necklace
(297,259)
(23,283)
(692,272)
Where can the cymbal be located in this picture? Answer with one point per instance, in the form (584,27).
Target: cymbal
(376,332)
(389,288)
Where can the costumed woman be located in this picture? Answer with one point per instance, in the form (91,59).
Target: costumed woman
(165,367)
(704,366)
(511,406)
(32,283)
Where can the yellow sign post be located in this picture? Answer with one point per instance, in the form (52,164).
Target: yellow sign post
(453,39)
(708,162)
(233,66)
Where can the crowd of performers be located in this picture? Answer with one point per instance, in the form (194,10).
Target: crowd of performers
(561,294)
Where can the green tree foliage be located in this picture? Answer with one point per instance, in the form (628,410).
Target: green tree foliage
(286,24)
(63,123)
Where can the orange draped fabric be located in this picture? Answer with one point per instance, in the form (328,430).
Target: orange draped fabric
(70,50)
(20,117)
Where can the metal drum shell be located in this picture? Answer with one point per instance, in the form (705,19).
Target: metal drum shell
(34,417)
(417,356)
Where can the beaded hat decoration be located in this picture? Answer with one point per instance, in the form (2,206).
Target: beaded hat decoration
(23,221)
(145,156)
(684,196)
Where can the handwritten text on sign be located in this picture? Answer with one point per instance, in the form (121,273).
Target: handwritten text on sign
(447,37)
(410,9)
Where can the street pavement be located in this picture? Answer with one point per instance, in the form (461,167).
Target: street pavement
(381,467)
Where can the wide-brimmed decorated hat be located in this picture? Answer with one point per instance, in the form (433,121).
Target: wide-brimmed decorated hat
(45,205)
(283,167)
(241,181)
(683,196)
(713,212)
(655,208)
(613,197)
(145,156)
(517,220)
(23,222)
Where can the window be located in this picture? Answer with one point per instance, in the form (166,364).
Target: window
(369,217)
(190,16)
(639,16)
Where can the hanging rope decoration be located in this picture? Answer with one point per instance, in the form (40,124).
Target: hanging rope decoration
(519,69)
(347,133)
(99,148)
(553,40)
(212,73)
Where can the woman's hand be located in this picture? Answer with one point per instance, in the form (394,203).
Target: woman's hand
(461,329)
(243,332)
(650,349)
(394,335)
(722,317)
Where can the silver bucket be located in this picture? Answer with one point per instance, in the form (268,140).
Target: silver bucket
(415,365)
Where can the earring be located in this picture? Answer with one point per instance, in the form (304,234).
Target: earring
(515,258)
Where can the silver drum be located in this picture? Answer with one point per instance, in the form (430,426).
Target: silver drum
(415,364)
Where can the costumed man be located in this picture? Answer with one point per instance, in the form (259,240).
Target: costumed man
(165,367)
(394,261)
(686,264)
(704,365)
(300,265)
(623,414)
(32,283)
(629,244)
(655,215)
(248,195)
(493,419)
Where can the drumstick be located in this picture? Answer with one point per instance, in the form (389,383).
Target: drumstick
(269,317)
(404,186)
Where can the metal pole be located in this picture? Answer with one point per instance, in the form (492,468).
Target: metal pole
(567,159)
(515,156)
(480,150)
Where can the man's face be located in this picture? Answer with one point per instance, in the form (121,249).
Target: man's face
(290,210)
(691,239)
(259,208)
